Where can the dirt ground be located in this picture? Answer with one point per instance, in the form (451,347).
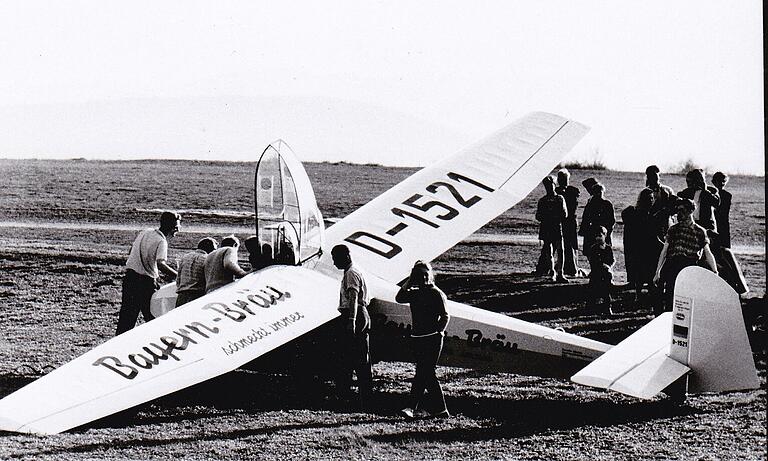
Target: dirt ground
(59,296)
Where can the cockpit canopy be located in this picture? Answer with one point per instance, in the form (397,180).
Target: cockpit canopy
(289,225)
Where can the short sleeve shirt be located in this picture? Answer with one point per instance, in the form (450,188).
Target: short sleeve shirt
(149,247)
(353,279)
(686,240)
(216,272)
(191,272)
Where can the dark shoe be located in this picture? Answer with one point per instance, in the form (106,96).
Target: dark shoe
(561,279)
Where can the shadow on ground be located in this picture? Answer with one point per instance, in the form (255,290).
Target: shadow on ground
(500,418)
(230,394)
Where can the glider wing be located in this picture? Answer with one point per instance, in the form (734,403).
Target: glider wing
(195,342)
(440,205)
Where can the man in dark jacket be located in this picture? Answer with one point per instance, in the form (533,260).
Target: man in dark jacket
(706,200)
(664,198)
(723,211)
(598,212)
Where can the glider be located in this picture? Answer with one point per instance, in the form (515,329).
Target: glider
(702,341)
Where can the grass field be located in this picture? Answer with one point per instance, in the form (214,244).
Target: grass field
(60,289)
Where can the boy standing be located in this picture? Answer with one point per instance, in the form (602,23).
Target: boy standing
(600,264)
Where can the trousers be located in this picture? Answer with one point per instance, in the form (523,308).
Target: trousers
(427,351)
(137,294)
(551,257)
(356,358)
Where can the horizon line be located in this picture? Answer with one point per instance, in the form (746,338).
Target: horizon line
(568,164)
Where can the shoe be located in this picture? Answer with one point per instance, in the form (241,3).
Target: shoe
(561,279)
(408,413)
(612,313)
(441,414)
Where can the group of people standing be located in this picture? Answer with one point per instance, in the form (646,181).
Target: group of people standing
(429,319)
(664,232)
(211,266)
(559,233)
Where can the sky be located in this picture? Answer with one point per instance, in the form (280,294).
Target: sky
(396,82)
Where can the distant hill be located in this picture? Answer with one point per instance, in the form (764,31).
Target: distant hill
(232,128)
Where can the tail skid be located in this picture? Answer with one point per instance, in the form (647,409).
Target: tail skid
(708,339)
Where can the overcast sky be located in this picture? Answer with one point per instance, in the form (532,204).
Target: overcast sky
(388,82)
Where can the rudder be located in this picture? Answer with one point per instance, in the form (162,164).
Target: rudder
(708,334)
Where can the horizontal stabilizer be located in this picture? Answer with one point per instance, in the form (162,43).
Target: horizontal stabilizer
(638,366)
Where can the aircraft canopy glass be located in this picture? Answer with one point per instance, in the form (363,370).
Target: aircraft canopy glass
(287,217)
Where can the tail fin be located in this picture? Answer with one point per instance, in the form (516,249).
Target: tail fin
(708,338)
(708,334)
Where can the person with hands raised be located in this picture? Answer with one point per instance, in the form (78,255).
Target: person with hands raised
(429,319)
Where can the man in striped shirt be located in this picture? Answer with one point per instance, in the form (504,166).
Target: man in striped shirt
(686,243)
(190,283)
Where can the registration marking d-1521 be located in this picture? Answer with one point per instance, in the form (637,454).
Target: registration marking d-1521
(417,207)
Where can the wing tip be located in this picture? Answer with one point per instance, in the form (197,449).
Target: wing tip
(562,119)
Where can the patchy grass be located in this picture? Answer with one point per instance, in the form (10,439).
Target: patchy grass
(60,290)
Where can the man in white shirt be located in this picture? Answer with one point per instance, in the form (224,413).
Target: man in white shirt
(355,325)
(221,265)
(149,254)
